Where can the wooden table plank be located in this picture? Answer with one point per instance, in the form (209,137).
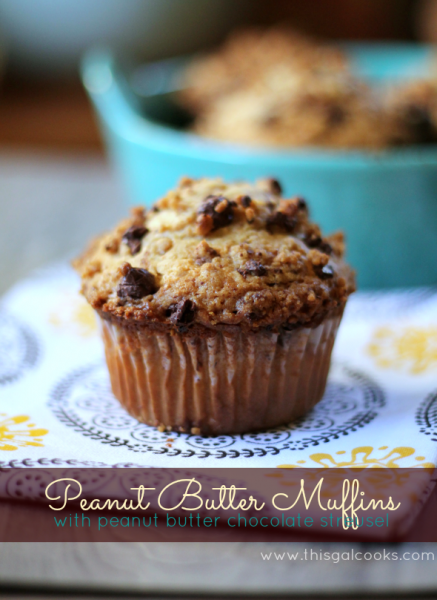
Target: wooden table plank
(51,206)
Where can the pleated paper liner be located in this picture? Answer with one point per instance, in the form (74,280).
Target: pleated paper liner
(219,381)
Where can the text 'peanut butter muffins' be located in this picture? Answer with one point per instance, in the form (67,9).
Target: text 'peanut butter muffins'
(219,307)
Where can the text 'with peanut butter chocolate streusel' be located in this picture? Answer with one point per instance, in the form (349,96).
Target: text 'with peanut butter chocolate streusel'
(217,254)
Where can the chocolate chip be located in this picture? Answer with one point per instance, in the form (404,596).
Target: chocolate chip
(326,272)
(280,219)
(269,120)
(275,186)
(312,240)
(136,283)
(133,237)
(217,218)
(325,247)
(419,121)
(315,241)
(253,267)
(336,115)
(301,204)
(246,201)
(182,312)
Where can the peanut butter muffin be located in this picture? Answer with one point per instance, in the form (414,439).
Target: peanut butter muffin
(219,307)
(247,55)
(296,110)
(275,87)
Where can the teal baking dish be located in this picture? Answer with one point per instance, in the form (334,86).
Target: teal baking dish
(386,202)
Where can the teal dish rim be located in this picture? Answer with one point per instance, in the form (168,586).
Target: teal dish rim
(118,108)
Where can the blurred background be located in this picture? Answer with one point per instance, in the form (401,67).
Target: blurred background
(55,183)
(42,103)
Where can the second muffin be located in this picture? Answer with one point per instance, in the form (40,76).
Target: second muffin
(219,307)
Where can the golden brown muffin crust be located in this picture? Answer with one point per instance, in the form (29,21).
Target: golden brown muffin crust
(211,254)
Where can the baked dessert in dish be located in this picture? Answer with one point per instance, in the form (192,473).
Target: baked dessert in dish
(277,88)
(248,56)
(334,111)
(219,307)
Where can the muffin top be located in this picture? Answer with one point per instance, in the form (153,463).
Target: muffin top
(249,56)
(211,254)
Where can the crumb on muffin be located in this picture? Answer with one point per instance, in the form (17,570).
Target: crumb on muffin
(213,254)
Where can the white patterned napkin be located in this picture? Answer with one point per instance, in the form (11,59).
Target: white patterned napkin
(56,406)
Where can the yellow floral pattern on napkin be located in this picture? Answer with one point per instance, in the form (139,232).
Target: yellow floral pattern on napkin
(412,349)
(363,457)
(26,434)
(377,472)
(76,316)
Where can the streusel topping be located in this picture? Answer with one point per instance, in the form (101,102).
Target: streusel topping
(211,254)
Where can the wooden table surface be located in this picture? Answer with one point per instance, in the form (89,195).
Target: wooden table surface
(47,115)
